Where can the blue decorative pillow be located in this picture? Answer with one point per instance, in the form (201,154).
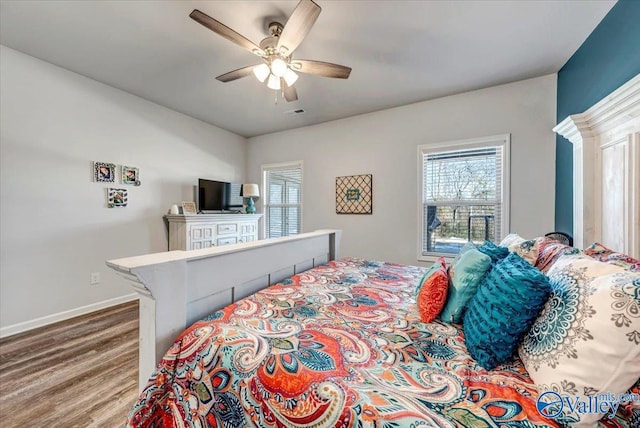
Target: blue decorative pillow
(492,250)
(467,246)
(507,303)
(465,273)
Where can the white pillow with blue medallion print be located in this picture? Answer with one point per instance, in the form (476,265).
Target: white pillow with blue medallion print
(586,341)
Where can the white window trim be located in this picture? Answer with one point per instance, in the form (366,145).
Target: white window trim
(505,141)
(263,200)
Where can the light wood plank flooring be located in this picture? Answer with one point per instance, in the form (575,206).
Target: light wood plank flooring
(82,372)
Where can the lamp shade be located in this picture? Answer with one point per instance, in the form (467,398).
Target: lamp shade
(278,67)
(290,77)
(273,82)
(261,72)
(250,190)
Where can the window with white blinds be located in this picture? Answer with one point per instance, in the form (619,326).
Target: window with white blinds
(282,199)
(463,194)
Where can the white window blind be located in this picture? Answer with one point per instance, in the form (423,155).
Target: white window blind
(463,194)
(283,199)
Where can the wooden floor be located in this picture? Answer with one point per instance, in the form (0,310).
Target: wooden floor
(82,372)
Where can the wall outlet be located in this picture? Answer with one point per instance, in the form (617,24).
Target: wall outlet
(95,278)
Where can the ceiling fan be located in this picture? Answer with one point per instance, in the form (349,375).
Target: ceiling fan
(276,50)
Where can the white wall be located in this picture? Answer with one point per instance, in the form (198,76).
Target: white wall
(55,227)
(385,144)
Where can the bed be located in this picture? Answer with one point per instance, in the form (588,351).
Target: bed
(338,345)
(284,333)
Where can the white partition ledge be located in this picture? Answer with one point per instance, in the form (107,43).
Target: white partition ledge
(177,288)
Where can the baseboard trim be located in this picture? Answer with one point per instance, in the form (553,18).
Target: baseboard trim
(10,330)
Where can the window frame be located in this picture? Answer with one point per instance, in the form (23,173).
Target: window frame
(264,200)
(503,140)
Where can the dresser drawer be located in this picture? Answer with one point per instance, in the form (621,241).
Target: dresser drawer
(227,228)
(201,231)
(248,229)
(195,232)
(228,241)
(198,245)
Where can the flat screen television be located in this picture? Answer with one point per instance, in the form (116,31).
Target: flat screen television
(219,195)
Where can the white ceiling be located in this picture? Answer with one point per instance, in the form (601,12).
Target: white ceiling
(400,51)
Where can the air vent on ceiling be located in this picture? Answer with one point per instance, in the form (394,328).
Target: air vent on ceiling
(294,112)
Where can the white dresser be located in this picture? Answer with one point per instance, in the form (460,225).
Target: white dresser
(193,232)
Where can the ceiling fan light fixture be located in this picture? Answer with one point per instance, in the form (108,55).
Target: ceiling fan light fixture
(274,82)
(275,51)
(290,77)
(261,72)
(278,67)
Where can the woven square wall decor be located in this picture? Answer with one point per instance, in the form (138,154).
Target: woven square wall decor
(354,194)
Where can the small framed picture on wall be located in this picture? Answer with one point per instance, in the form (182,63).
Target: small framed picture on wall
(130,175)
(117,198)
(104,172)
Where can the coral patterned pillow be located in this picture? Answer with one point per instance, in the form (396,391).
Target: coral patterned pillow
(432,293)
(600,252)
(549,251)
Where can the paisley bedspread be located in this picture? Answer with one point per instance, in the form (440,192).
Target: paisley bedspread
(339,345)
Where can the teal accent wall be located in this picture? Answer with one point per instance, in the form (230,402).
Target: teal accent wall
(607,59)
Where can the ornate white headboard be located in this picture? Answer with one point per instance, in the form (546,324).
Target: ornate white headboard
(606,170)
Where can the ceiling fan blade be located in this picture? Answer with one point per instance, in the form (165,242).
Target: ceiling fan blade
(226,32)
(297,26)
(321,68)
(290,93)
(236,74)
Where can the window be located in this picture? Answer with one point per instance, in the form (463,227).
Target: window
(463,194)
(282,199)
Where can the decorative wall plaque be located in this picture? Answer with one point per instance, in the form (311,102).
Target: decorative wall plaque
(354,194)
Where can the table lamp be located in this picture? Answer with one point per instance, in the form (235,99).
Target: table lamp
(250,191)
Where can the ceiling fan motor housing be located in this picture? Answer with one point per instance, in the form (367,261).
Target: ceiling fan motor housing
(269,44)
(275,28)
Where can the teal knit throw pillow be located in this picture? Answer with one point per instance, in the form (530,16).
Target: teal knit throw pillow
(494,251)
(508,301)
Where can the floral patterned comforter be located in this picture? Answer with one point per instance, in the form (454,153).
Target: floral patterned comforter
(339,345)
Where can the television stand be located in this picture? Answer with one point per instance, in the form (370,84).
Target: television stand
(197,231)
